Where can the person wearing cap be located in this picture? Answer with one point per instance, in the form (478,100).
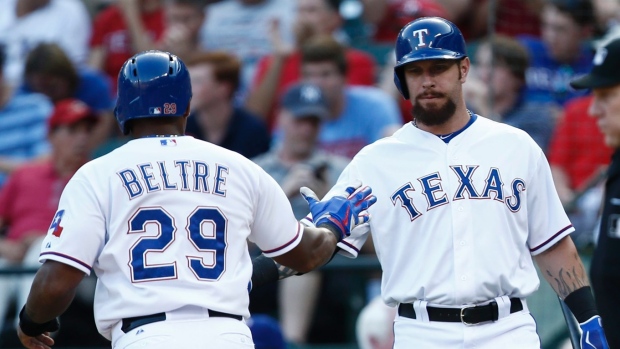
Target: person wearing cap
(604,81)
(29,199)
(294,163)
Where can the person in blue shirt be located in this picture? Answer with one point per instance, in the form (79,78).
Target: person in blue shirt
(563,52)
(23,125)
(501,63)
(48,70)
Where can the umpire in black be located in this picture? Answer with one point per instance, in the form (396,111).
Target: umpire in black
(604,80)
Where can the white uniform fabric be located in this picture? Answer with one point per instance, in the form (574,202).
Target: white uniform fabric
(515,331)
(457,223)
(181,329)
(474,211)
(64,22)
(163,223)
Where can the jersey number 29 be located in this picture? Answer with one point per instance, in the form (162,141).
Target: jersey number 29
(216,244)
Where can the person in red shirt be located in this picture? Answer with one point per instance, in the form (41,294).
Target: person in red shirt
(29,199)
(387,17)
(579,158)
(577,152)
(275,73)
(123,29)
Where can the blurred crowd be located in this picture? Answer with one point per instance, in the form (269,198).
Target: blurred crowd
(298,86)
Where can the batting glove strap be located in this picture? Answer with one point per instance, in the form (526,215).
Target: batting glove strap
(593,336)
(33,329)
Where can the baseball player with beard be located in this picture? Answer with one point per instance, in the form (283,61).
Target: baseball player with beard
(163,222)
(465,205)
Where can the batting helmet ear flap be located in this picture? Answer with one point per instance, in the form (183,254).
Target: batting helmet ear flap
(401,84)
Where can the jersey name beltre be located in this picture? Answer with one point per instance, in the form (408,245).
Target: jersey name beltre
(431,188)
(183,175)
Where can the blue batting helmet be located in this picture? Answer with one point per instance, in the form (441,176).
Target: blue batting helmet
(152,84)
(426,38)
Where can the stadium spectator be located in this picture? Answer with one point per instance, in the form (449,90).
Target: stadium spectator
(23,126)
(50,72)
(563,53)
(214,117)
(295,163)
(183,20)
(282,68)
(29,199)
(358,115)
(242,27)
(501,63)
(26,23)
(387,17)
(123,29)
(578,157)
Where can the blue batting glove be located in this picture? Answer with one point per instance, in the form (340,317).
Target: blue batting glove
(341,213)
(593,336)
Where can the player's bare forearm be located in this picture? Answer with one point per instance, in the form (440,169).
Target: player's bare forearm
(562,267)
(52,291)
(316,248)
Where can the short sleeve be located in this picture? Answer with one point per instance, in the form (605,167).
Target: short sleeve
(275,229)
(77,232)
(548,222)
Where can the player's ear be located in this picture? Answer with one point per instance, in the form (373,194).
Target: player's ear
(464,66)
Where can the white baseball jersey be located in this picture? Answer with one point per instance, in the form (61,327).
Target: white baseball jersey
(163,223)
(457,223)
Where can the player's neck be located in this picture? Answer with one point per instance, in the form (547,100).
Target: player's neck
(157,131)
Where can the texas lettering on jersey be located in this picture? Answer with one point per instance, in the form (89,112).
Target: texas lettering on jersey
(430,187)
(194,176)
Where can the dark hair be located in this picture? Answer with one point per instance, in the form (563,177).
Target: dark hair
(226,67)
(581,11)
(324,48)
(512,53)
(50,59)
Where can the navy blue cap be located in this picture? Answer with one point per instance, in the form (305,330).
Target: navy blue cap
(305,100)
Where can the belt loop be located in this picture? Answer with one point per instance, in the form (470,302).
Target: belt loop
(419,307)
(503,306)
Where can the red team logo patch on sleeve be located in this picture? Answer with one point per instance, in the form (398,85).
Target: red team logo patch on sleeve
(57,229)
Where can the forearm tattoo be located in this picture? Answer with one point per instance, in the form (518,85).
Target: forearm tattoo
(568,280)
(284,271)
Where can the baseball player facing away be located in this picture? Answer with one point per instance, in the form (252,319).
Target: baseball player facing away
(463,204)
(163,222)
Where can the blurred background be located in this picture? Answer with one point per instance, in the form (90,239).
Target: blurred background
(60,59)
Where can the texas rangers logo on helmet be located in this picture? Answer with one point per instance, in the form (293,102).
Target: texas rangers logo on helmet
(420,34)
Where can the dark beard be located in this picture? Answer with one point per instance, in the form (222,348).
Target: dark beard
(433,117)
